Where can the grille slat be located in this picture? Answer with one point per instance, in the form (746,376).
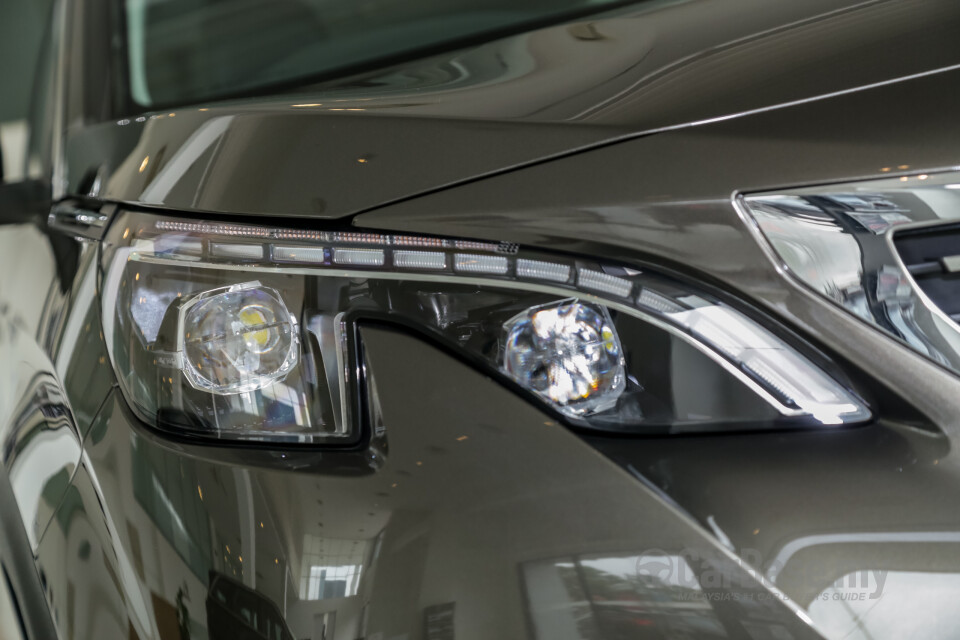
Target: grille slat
(932,256)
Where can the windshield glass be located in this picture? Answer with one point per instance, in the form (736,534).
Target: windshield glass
(186,51)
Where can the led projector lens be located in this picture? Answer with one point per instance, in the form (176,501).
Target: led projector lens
(237,339)
(568,353)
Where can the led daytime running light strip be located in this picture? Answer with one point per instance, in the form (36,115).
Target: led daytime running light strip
(346,237)
(791,384)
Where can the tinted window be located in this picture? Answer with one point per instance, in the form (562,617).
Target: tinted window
(183,51)
(26,75)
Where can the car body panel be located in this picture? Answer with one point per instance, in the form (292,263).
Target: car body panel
(669,199)
(811,508)
(52,342)
(23,609)
(354,144)
(626,136)
(40,440)
(474,501)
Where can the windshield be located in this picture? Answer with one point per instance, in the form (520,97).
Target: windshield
(187,51)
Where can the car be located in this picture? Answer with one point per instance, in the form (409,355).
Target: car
(556,320)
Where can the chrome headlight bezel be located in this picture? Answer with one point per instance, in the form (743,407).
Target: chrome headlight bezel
(869,217)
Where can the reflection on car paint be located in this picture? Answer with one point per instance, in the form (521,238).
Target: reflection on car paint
(445,539)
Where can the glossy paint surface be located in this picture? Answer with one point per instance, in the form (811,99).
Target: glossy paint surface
(349,145)
(858,527)
(478,515)
(669,199)
(41,441)
(809,510)
(470,511)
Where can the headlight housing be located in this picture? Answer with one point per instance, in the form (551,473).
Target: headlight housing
(244,332)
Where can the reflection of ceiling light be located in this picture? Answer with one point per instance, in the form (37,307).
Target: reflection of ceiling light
(244,339)
(568,353)
(951,186)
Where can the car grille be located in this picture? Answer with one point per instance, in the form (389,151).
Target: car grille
(932,256)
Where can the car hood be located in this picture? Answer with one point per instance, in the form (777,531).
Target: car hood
(336,149)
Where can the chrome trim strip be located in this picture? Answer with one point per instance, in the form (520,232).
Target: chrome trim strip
(937,336)
(85,224)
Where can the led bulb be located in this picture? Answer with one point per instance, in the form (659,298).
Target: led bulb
(237,339)
(568,353)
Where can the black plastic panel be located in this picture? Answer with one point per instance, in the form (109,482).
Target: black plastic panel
(927,253)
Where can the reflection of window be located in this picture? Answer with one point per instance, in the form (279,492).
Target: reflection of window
(617,597)
(331,567)
(229,600)
(871,603)
(333,582)
(167,492)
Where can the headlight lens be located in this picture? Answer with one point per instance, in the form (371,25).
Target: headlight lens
(247,333)
(568,353)
(237,339)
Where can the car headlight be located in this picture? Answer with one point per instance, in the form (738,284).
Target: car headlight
(885,250)
(246,332)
